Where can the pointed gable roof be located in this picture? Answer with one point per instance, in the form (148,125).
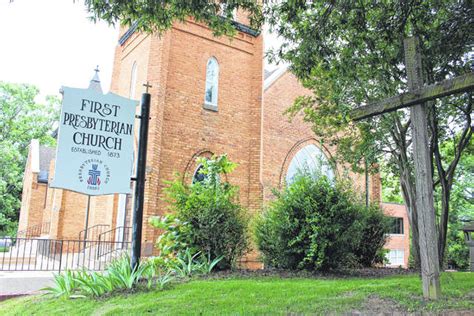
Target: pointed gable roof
(271,76)
(95,81)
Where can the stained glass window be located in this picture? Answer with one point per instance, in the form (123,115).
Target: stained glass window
(212,81)
(133,81)
(198,176)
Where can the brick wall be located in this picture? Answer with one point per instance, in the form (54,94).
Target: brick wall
(399,241)
(32,199)
(180,128)
(283,138)
(26,195)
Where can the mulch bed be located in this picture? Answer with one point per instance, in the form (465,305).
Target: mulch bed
(8,296)
(364,273)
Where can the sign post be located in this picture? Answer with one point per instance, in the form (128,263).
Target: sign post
(95,142)
(140,179)
(95,150)
(87,221)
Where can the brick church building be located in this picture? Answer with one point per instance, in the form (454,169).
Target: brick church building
(209,96)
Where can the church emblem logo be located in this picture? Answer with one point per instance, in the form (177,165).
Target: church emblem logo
(94,176)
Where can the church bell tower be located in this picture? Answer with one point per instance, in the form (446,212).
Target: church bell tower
(206,99)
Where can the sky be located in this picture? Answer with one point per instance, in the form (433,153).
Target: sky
(51,43)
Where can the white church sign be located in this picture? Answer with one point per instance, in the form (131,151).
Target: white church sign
(95,142)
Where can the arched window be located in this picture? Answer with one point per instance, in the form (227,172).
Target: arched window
(309,159)
(212,81)
(198,176)
(133,81)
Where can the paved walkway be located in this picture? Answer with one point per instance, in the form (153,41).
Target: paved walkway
(24,282)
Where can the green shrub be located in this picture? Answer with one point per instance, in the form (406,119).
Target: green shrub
(374,226)
(173,240)
(211,220)
(457,254)
(157,274)
(117,276)
(151,273)
(121,274)
(94,284)
(315,224)
(65,285)
(187,264)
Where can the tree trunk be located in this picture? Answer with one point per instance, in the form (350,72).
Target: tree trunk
(446,176)
(443,222)
(399,135)
(409,196)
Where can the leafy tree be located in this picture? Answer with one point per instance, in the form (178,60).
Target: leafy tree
(462,206)
(158,16)
(391,190)
(21,120)
(350,53)
(461,200)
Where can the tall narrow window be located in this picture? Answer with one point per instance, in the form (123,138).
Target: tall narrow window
(133,81)
(212,81)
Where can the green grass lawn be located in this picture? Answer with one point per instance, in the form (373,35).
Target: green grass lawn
(3,249)
(263,295)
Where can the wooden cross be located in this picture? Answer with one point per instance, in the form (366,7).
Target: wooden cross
(416,97)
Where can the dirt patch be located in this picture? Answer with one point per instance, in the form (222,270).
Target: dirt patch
(375,305)
(9,296)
